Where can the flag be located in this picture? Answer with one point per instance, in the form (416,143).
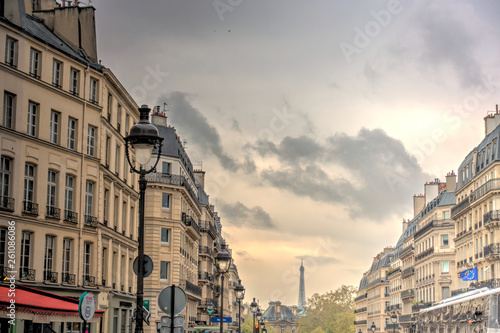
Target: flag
(469,274)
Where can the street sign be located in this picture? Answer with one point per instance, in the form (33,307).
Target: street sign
(210,308)
(224,320)
(148,266)
(145,315)
(86,306)
(165,300)
(145,302)
(178,321)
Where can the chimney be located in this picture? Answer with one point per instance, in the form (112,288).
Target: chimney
(451,182)
(491,121)
(431,190)
(200,176)
(418,204)
(158,118)
(405,226)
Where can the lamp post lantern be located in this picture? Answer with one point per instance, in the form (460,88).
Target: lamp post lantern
(143,138)
(253,308)
(239,292)
(394,319)
(223,259)
(373,328)
(258,315)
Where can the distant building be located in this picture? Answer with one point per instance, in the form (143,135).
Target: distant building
(281,318)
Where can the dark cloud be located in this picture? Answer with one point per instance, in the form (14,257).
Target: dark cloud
(382,174)
(239,215)
(244,255)
(193,124)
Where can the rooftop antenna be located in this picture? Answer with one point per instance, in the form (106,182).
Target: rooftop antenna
(165,107)
(184,144)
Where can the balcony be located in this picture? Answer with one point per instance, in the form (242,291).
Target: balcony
(6,204)
(69,279)
(424,254)
(460,207)
(70,216)
(30,208)
(418,307)
(491,216)
(492,250)
(90,221)
(359,298)
(375,282)
(360,322)
(190,222)
(407,293)
(360,310)
(207,226)
(176,181)
(405,318)
(26,274)
(205,276)
(392,327)
(408,271)
(50,277)
(394,307)
(205,250)
(89,281)
(192,288)
(53,213)
(392,271)
(406,250)
(431,225)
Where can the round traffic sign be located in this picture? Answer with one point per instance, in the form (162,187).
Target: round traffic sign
(210,308)
(86,306)
(148,266)
(165,300)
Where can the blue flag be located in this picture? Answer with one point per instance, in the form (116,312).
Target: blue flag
(469,274)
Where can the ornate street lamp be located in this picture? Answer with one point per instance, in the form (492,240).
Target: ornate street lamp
(143,138)
(394,320)
(373,328)
(223,259)
(360,331)
(239,292)
(253,307)
(258,315)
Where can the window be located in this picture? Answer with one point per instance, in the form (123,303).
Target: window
(93,89)
(445,266)
(124,216)
(49,257)
(105,207)
(108,147)
(165,235)
(446,215)
(127,124)
(445,291)
(124,320)
(117,159)
(9,105)
(87,247)
(5,168)
(35,63)
(66,259)
(110,105)
(11,52)
(69,193)
(165,201)
(51,192)
(71,133)
(164,266)
(3,246)
(104,265)
(91,140)
(74,81)
(115,320)
(444,240)
(165,168)
(32,118)
(25,250)
(119,118)
(54,126)
(29,184)
(89,199)
(56,73)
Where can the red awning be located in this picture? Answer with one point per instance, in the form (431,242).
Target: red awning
(39,302)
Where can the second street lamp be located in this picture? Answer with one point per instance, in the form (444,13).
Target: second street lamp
(394,319)
(253,308)
(223,259)
(239,292)
(143,138)
(373,328)
(258,315)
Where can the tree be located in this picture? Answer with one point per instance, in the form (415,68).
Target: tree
(332,312)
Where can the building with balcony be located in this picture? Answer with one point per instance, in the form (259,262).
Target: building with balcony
(476,210)
(63,178)
(361,306)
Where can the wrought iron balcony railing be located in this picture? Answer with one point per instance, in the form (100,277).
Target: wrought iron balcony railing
(30,208)
(49,276)
(424,254)
(90,221)
(6,204)
(70,216)
(68,279)
(190,222)
(207,226)
(53,213)
(192,288)
(27,274)
(89,281)
(492,250)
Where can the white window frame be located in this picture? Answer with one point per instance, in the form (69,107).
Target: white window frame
(57,73)
(48,260)
(69,193)
(9,106)
(91,139)
(52,188)
(35,63)
(72,126)
(168,204)
(93,90)
(74,86)
(32,118)
(66,256)
(5,176)
(29,182)
(55,119)
(165,232)
(164,270)
(11,51)
(89,198)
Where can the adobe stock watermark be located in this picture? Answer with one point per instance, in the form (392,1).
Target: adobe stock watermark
(150,82)
(291,278)
(280,120)
(224,6)
(372,29)
(453,119)
(11,277)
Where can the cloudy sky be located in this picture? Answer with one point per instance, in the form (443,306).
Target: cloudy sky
(316,122)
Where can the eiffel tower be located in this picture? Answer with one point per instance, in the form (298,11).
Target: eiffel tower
(302,290)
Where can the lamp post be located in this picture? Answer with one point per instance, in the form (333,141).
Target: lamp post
(258,315)
(239,292)
(394,319)
(373,328)
(223,263)
(143,138)
(253,308)
(360,331)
